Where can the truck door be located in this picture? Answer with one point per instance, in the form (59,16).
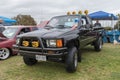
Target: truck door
(92,32)
(85,32)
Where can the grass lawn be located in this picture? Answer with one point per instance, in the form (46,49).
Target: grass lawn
(104,65)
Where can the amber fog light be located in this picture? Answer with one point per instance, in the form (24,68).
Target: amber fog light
(35,44)
(25,43)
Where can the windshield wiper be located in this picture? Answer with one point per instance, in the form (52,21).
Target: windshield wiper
(60,26)
(63,26)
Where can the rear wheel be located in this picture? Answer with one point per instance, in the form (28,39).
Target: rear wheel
(72,60)
(4,53)
(29,61)
(98,44)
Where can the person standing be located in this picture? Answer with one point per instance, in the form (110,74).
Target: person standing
(97,23)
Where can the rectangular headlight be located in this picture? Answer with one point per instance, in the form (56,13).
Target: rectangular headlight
(51,43)
(54,43)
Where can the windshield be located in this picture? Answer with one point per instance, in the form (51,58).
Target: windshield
(63,21)
(10,32)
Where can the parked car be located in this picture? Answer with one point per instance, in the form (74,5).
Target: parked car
(42,24)
(8,38)
(60,40)
(2,28)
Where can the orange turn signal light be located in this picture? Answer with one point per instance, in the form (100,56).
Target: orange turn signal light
(59,43)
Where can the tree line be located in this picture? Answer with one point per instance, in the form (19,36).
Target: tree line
(24,20)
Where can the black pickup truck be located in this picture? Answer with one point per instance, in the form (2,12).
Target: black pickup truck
(60,40)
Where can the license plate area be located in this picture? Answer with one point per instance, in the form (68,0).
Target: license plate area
(41,57)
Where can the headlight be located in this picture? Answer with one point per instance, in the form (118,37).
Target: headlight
(51,43)
(54,43)
(17,41)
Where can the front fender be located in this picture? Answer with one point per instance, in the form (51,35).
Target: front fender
(71,40)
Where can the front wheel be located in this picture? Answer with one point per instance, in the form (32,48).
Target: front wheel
(72,60)
(98,44)
(4,53)
(29,61)
(79,55)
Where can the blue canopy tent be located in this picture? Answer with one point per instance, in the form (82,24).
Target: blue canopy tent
(7,21)
(101,15)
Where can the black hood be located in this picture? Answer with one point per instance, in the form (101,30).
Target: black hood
(44,33)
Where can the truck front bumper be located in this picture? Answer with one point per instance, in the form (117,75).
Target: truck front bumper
(49,52)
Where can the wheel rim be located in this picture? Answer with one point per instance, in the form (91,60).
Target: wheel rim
(4,53)
(75,60)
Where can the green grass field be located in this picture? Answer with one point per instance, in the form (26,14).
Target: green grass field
(104,65)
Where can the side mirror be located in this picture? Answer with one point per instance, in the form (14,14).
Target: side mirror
(83,22)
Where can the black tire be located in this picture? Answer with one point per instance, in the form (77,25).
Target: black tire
(79,56)
(72,60)
(98,44)
(29,61)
